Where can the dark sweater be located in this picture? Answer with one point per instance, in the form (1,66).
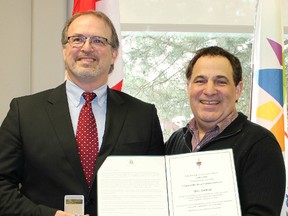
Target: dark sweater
(258,160)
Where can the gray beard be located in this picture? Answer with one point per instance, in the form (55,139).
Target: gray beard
(85,73)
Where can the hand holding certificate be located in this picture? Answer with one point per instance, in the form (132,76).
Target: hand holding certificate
(201,183)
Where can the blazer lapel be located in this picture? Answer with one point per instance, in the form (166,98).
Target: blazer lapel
(115,117)
(58,112)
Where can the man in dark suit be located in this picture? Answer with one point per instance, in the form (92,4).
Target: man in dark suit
(39,154)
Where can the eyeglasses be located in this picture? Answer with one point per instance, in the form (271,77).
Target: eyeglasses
(95,41)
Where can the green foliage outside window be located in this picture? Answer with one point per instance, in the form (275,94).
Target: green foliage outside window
(154,66)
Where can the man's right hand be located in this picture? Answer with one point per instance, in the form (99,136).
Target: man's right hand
(62,213)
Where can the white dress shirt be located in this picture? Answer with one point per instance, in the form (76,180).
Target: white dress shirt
(99,105)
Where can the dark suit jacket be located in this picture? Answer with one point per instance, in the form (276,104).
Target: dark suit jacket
(39,151)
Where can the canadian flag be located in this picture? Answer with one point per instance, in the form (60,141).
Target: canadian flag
(111,9)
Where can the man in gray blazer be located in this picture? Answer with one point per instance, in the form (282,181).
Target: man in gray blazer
(39,158)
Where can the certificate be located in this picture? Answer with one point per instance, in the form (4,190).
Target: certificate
(202,183)
(132,185)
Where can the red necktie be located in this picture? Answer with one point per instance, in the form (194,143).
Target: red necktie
(87,137)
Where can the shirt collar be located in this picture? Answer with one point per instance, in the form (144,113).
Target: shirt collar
(221,125)
(74,93)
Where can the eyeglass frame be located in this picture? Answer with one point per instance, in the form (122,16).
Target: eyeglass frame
(106,41)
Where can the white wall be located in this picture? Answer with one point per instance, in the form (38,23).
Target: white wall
(30,50)
(15,50)
(191,15)
(48,19)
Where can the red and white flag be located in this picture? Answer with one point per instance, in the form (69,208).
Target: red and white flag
(111,9)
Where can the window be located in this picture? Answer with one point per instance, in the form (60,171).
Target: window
(155,62)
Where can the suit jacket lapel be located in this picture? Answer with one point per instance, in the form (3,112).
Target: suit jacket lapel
(58,112)
(115,117)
